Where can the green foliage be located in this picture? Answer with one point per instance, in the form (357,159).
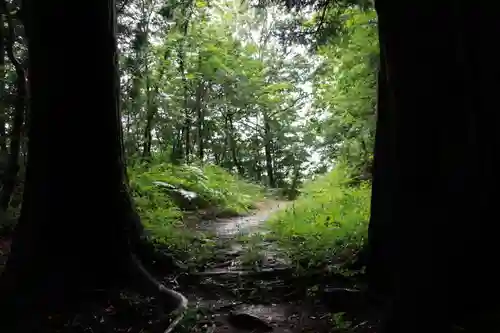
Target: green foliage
(345,91)
(236,194)
(339,321)
(215,186)
(330,219)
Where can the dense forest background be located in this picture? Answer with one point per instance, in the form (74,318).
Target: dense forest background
(248,89)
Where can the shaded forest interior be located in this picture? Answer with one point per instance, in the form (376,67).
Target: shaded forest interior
(285,167)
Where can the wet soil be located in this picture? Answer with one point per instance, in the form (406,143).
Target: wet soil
(231,227)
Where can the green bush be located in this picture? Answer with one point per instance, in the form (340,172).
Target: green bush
(328,220)
(216,186)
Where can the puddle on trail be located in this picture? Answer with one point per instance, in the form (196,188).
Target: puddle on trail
(231,317)
(241,225)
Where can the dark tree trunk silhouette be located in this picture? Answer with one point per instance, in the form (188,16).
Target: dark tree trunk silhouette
(435,172)
(10,175)
(151,111)
(232,143)
(380,247)
(3,115)
(177,153)
(268,151)
(78,230)
(199,110)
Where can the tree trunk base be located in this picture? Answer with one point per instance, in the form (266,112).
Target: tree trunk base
(22,313)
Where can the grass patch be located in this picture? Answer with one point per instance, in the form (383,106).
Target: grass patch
(329,220)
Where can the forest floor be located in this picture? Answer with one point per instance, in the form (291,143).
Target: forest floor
(251,287)
(247,287)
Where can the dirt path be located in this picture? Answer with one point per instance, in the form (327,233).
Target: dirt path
(232,298)
(228,228)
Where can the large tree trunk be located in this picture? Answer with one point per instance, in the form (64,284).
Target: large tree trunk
(380,243)
(435,178)
(10,176)
(78,229)
(232,144)
(3,115)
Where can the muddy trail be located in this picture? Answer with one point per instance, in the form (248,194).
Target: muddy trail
(247,287)
(229,228)
(252,287)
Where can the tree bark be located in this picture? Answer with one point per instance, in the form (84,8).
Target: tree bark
(232,144)
(268,151)
(3,115)
(199,107)
(186,126)
(381,263)
(78,229)
(435,175)
(150,115)
(10,175)
(177,153)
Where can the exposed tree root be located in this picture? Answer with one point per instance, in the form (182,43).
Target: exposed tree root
(173,303)
(44,296)
(145,283)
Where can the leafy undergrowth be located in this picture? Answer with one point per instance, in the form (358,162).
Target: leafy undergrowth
(327,224)
(217,191)
(216,187)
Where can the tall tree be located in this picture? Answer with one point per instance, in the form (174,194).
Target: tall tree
(435,164)
(3,139)
(10,176)
(78,229)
